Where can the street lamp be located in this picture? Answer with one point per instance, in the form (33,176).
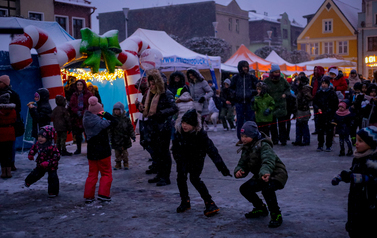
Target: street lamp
(269,33)
(125,12)
(215,27)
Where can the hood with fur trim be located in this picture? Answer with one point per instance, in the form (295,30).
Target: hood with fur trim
(180,84)
(242,63)
(199,77)
(155,76)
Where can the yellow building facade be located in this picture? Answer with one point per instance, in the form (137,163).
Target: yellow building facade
(332,30)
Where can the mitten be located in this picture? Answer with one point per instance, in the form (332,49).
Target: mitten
(267,112)
(360,178)
(44,164)
(226,172)
(335,181)
(201,100)
(30,157)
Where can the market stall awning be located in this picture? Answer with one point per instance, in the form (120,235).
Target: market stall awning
(328,62)
(285,67)
(255,61)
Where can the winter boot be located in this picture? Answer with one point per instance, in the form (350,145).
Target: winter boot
(66,153)
(78,151)
(211,208)
(104,198)
(4,172)
(163,182)
(342,152)
(185,205)
(276,220)
(257,212)
(154,180)
(9,172)
(118,165)
(13,167)
(350,152)
(125,165)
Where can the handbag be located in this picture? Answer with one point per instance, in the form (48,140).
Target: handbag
(365,121)
(19,126)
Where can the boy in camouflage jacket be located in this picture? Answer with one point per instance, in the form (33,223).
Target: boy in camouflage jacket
(269,173)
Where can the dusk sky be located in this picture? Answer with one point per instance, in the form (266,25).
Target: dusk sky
(294,8)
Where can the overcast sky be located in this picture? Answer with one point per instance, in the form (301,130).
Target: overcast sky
(294,8)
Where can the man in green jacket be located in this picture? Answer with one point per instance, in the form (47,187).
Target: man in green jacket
(278,88)
(269,173)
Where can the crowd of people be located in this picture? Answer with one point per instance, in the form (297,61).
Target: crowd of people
(177,111)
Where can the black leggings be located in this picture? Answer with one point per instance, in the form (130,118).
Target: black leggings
(53,180)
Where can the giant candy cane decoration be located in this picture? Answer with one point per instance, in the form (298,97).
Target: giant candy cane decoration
(130,60)
(20,58)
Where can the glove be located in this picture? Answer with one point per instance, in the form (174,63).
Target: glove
(201,100)
(226,172)
(30,157)
(335,181)
(44,164)
(267,112)
(133,139)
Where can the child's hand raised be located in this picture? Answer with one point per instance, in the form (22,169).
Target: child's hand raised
(240,173)
(266,177)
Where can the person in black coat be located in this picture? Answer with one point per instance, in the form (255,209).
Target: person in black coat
(226,113)
(176,81)
(158,105)
(326,103)
(41,113)
(244,84)
(191,144)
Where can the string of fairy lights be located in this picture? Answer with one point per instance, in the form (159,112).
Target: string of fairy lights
(87,75)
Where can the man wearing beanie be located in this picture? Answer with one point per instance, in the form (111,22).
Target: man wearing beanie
(5,87)
(98,150)
(191,144)
(361,218)
(326,103)
(244,85)
(269,173)
(279,89)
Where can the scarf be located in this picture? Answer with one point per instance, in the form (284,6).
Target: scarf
(363,154)
(151,104)
(343,113)
(80,103)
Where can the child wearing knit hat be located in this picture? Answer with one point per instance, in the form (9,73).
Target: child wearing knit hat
(343,120)
(269,173)
(191,144)
(362,177)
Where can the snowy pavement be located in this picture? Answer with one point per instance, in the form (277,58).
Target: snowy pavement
(311,206)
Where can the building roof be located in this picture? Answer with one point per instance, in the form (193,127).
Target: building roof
(276,19)
(349,12)
(82,3)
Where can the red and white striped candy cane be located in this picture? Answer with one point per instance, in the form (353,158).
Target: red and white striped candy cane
(129,57)
(20,58)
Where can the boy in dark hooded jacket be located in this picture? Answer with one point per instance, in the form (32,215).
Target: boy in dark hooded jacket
(41,113)
(62,124)
(176,81)
(269,173)
(121,136)
(190,146)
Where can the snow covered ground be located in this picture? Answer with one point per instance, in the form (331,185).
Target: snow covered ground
(310,205)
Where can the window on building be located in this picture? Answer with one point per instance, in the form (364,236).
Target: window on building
(3,12)
(343,47)
(372,43)
(237,25)
(313,49)
(329,48)
(303,47)
(63,22)
(77,24)
(285,34)
(327,26)
(274,32)
(36,16)
(230,24)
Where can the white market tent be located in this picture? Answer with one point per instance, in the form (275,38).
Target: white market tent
(328,62)
(175,55)
(54,30)
(286,67)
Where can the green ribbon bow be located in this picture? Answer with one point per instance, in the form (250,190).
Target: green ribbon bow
(95,47)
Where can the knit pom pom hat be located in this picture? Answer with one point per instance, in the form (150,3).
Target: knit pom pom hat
(369,135)
(5,79)
(94,106)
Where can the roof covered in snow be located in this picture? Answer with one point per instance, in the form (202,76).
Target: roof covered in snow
(276,19)
(54,30)
(82,3)
(350,12)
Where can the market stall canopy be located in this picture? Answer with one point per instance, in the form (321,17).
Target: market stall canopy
(328,62)
(175,55)
(286,67)
(54,30)
(255,61)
